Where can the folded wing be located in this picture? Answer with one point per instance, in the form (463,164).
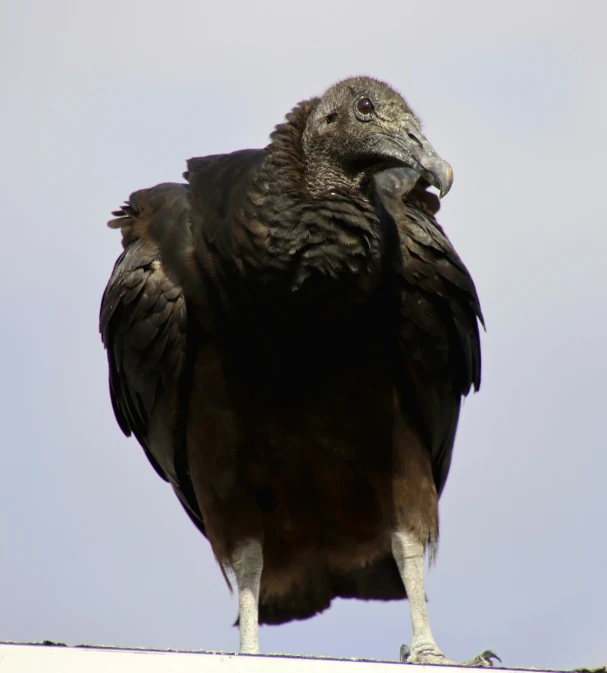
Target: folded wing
(144,327)
(439,325)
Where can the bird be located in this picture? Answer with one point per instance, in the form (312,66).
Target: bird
(290,335)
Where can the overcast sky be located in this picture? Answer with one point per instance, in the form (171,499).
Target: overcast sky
(102,98)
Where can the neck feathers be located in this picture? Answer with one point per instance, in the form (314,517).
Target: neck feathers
(309,244)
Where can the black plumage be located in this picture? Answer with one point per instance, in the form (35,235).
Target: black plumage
(289,336)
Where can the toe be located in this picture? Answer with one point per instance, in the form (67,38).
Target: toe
(433,656)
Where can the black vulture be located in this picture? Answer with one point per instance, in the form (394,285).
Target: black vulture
(289,335)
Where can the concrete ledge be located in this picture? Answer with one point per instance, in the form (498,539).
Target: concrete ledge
(56,658)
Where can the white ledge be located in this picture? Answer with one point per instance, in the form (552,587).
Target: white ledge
(56,658)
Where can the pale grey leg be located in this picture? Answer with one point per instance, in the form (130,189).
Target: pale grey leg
(408,553)
(248,564)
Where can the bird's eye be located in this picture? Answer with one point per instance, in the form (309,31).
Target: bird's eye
(365,106)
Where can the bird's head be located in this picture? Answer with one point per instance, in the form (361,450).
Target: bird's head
(361,126)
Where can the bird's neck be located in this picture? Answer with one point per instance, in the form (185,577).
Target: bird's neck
(316,177)
(284,249)
(320,240)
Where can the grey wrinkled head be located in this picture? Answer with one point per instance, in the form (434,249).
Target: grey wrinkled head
(361,126)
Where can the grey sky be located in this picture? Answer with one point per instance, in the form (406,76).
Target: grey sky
(102,98)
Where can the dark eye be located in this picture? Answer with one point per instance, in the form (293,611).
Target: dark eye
(365,106)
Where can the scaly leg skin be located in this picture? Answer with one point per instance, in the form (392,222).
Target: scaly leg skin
(408,553)
(248,564)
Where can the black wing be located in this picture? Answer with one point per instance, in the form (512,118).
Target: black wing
(439,326)
(143,324)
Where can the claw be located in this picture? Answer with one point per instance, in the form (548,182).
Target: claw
(405,652)
(486,658)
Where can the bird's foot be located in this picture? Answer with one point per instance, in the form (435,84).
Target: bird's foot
(430,654)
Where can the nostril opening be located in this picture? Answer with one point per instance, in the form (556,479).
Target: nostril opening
(415,139)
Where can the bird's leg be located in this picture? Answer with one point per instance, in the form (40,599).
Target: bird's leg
(247,564)
(409,556)
(408,553)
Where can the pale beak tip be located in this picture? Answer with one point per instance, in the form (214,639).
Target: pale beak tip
(446,180)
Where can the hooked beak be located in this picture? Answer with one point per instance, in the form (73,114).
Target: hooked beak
(411,147)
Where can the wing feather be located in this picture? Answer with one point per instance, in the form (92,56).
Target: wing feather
(439,322)
(144,331)
(144,327)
